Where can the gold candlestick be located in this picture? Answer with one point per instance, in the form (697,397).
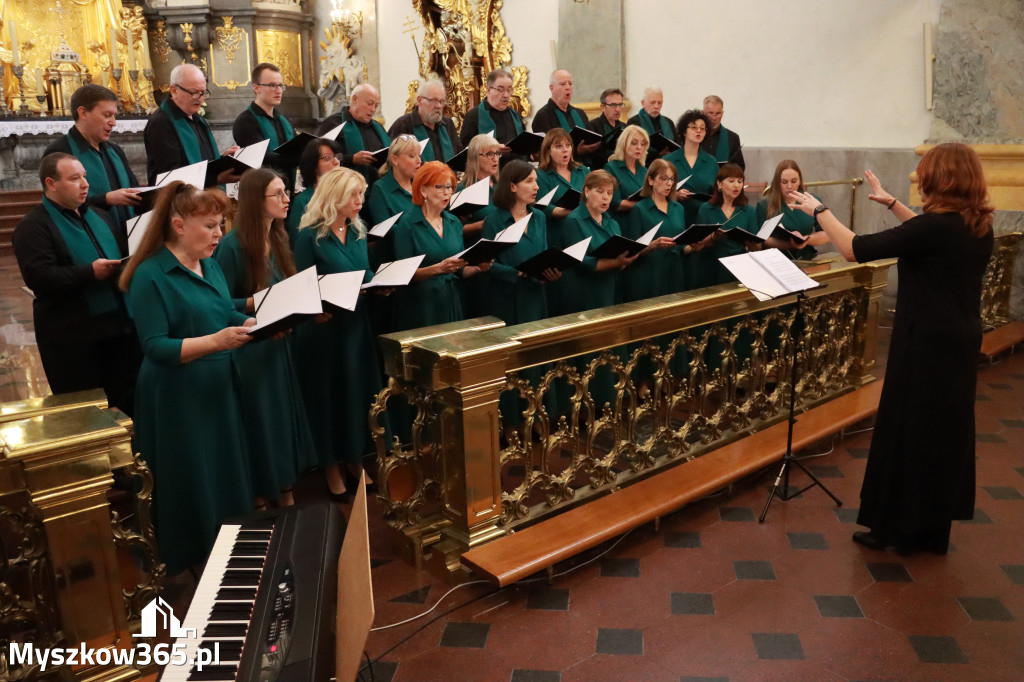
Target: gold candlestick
(19,73)
(116,73)
(134,75)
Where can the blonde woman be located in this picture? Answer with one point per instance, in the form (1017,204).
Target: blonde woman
(335,359)
(393,192)
(627,166)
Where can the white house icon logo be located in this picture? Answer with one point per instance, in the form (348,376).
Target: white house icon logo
(158,615)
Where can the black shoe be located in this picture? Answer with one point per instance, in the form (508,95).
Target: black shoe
(340,498)
(866,538)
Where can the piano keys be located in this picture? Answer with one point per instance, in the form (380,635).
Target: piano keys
(264,609)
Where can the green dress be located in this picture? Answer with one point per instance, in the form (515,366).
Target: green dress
(511,298)
(188,418)
(386,198)
(709,270)
(469,291)
(295,212)
(548,180)
(280,444)
(434,300)
(336,360)
(629,183)
(660,271)
(797,221)
(702,178)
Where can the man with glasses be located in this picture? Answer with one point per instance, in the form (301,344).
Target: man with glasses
(495,115)
(261,120)
(721,143)
(176,135)
(608,125)
(428,122)
(650,119)
(361,135)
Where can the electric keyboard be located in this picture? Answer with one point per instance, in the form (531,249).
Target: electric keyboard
(266,601)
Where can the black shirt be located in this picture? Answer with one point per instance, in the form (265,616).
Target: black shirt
(61,144)
(163,149)
(546,117)
(371,143)
(710,145)
(246,131)
(600,124)
(504,125)
(404,125)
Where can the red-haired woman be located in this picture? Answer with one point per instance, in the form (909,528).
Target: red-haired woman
(188,419)
(920,470)
(428,229)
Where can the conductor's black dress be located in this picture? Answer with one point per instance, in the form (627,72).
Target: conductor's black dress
(920,470)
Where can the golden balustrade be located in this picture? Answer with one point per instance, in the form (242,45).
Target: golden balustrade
(995,296)
(78,559)
(717,361)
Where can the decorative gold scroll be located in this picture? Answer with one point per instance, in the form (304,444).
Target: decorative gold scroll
(284,49)
(229,38)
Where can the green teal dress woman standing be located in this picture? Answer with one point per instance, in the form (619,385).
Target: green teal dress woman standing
(626,165)
(335,356)
(429,230)
(188,418)
(728,206)
(280,444)
(692,163)
(319,156)
(787,179)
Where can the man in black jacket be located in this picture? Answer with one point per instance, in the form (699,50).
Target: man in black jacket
(69,255)
(428,122)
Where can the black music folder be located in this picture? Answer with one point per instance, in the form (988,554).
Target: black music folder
(695,233)
(584,136)
(773,228)
(738,234)
(525,143)
(292,149)
(559,259)
(618,244)
(458,162)
(636,196)
(570,200)
(659,142)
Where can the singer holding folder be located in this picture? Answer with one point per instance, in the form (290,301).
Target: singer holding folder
(319,156)
(361,135)
(188,417)
(336,358)
(393,192)
(558,170)
(256,255)
(788,178)
(428,229)
(493,114)
(482,161)
(261,120)
(627,165)
(729,207)
(920,473)
(693,163)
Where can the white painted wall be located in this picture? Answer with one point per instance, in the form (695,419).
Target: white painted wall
(793,73)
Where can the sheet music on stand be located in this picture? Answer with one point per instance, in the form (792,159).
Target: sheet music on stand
(768,274)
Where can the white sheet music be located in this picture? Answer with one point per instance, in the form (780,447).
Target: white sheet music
(546,199)
(648,236)
(194,174)
(769,225)
(298,294)
(333,133)
(767,274)
(679,185)
(423,144)
(252,155)
(579,249)
(477,194)
(396,273)
(514,232)
(383,227)
(341,288)
(137,227)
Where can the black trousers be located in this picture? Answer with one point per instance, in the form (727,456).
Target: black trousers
(111,364)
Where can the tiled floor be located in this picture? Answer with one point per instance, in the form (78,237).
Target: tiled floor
(713,595)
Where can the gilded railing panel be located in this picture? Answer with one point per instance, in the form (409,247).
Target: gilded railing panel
(995,297)
(605,396)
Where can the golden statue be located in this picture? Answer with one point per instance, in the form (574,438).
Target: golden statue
(465,40)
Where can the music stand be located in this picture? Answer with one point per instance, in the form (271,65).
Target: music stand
(789,458)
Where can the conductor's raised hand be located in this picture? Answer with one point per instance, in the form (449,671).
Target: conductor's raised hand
(802,201)
(878,193)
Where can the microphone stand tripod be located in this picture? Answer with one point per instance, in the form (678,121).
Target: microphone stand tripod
(789,458)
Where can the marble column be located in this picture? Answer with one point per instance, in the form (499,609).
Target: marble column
(590,46)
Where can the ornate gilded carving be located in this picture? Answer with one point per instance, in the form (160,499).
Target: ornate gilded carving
(340,67)
(463,41)
(283,48)
(229,38)
(995,296)
(137,534)
(186,33)
(158,41)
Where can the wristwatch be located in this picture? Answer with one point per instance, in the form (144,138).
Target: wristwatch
(820,208)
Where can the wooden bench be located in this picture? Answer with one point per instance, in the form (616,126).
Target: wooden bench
(1001,339)
(541,546)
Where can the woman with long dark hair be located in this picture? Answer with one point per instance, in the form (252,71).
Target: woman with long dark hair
(789,178)
(920,472)
(188,418)
(319,156)
(254,255)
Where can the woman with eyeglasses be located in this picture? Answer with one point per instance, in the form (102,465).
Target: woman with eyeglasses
(393,192)
(788,179)
(627,165)
(336,358)
(692,162)
(255,255)
(428,229)
(482,160)
(558,170)
(189,424)
(319,156)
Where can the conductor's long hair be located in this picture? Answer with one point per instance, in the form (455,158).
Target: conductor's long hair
(177,199)
(950,180)
(249,223)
